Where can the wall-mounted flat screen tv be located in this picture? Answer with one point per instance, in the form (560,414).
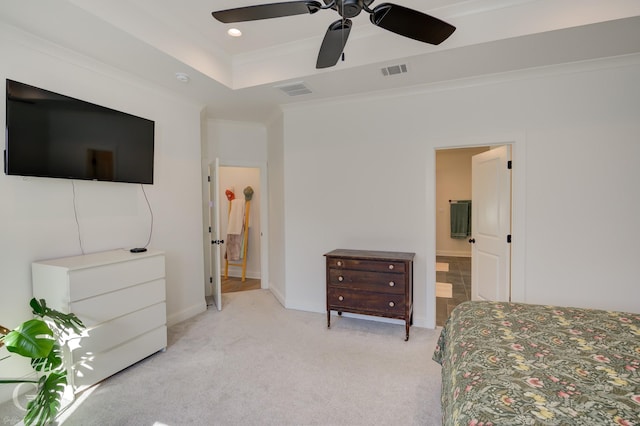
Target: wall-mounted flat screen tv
(53,135)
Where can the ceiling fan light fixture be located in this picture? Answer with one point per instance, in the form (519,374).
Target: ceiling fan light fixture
(234,32)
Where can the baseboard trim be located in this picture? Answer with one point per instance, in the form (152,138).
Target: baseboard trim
(185,314)
(419,322)
(453,253)
(306,307)
(277,294)
(236,271)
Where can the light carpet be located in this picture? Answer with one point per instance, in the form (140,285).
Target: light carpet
(256,363)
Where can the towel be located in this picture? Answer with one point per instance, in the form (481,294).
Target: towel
(236,217)
(234,247)
(460,218)
(235,229)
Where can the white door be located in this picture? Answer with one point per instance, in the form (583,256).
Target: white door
(491,225)
(214,234)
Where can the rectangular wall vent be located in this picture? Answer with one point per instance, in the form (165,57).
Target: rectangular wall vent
(294,89)
(394,69)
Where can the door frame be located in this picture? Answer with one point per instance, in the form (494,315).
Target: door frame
(264,214)
(518,185)
(213,251)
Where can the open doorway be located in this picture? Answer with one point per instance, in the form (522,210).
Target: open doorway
(240,193)
(453,250)
(496,204)
(236,176)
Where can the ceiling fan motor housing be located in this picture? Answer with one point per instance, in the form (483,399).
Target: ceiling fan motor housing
(398,19)
(349,8)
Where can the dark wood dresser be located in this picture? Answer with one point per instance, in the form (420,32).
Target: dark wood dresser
(368,282)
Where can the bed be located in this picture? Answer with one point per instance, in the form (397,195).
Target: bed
(523,364)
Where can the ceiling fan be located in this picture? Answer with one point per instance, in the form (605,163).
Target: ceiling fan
(392,17)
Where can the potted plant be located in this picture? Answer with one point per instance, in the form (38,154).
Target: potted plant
(43,339)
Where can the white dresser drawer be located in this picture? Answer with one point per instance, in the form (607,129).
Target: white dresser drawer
(105,364)
(121,299)
(89,282)
(106,307)
(113,333)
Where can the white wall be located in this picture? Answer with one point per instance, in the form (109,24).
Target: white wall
(237,142)
(37,219)
(275,155)
(363,178)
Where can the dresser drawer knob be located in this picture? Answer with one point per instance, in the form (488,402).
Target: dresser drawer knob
(391,304)
(390,266)
(339,263)
(340,278)
(392,284)
(340,298)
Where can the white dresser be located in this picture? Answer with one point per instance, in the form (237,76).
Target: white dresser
(119,296)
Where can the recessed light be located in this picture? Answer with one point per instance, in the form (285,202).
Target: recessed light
(234,32)
(182,77)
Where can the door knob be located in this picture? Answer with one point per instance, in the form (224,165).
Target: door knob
(472,240)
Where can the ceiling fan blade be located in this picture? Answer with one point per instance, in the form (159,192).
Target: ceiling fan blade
(267,11)
(333,44)
(411,23)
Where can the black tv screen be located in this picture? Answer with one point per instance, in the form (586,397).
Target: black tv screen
(52,135)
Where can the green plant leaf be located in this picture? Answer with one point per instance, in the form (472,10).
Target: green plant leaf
(43,339)
(46,405)
(63,322)
(51,362)
(38,306)
(32,339)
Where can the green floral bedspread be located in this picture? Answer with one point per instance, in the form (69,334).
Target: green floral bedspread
(520,364)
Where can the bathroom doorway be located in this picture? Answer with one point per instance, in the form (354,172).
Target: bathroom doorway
(453,250)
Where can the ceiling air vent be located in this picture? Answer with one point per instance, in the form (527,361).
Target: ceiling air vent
(294,89)
(394,69)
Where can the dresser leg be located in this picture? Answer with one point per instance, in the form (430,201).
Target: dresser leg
(328,319)
(407,331)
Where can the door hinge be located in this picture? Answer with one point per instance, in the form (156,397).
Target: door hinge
(211,279)
(509,165)
(208,178)
(509,238)
(209,229)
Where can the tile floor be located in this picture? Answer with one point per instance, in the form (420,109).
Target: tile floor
(459,275)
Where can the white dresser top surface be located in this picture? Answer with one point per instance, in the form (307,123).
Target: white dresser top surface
(95,259)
